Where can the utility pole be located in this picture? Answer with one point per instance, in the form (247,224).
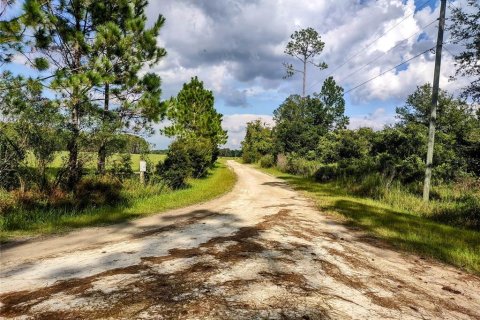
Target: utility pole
(433,110)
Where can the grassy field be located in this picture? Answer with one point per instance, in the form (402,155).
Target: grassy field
(90,160)
(402,228)
(31,223)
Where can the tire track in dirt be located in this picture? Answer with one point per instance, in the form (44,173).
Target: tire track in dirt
(261,252)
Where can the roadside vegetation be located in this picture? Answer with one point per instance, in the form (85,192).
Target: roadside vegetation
(374,178)
(72,135)
(136,200)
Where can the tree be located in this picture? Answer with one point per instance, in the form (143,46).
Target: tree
(332,115)
(304,45)
(10,33)
(257,142)
(192,114)
(457,127)
(67,40)
(465,30)
(33,120)
(63,37)
(123,46)
(300,122)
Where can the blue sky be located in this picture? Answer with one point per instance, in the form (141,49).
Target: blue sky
(236,48)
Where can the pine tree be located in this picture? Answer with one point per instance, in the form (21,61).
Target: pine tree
(465,30)
(193,114)
(122,48)
(304,45)
(88,45)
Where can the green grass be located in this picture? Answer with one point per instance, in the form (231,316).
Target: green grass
(218,182)
(403,229)
(90,159)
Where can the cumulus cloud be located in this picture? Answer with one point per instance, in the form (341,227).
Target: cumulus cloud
(376,120)
(242,41)
(236,47)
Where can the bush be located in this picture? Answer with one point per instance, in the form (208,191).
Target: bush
(7,202)
(176,168)
(200,153)
(282,162)
(11,155)
(122,169)
(98,191)
(301,166)
(267,161)
(326,173)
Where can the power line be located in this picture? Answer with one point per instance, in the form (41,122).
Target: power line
(371,43)
(381,74)
(384,53)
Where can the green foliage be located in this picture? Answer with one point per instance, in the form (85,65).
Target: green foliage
(304,45)
(465,31)
(301,166)
(465,214)
(345,144)
(98,192)
(267,161)
(93,47)
(122,168)
(326,172)
(193,113)
(11,157)
(227,152)
(257,142)
(200,154)
(193,116)
(34,122)
(301,122)
(177,167)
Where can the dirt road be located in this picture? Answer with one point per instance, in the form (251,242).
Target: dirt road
(261,252)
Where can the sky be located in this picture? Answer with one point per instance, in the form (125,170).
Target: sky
(237,48)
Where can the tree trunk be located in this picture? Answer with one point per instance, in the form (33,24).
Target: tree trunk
(102,150)
(73,167)
(304,76)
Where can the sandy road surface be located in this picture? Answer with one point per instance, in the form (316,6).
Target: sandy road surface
(260,252)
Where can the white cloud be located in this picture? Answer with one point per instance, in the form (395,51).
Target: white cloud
(376,120)
(242,41)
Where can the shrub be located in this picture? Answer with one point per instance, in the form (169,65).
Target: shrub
(122,169)
(326,173)
(200,153)
(98,191)
(267,161)
(7,202)
(11,155)
(176,168)
(301,166)
(282,162)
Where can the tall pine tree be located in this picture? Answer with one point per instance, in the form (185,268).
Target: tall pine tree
(123,46)
(193,114)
